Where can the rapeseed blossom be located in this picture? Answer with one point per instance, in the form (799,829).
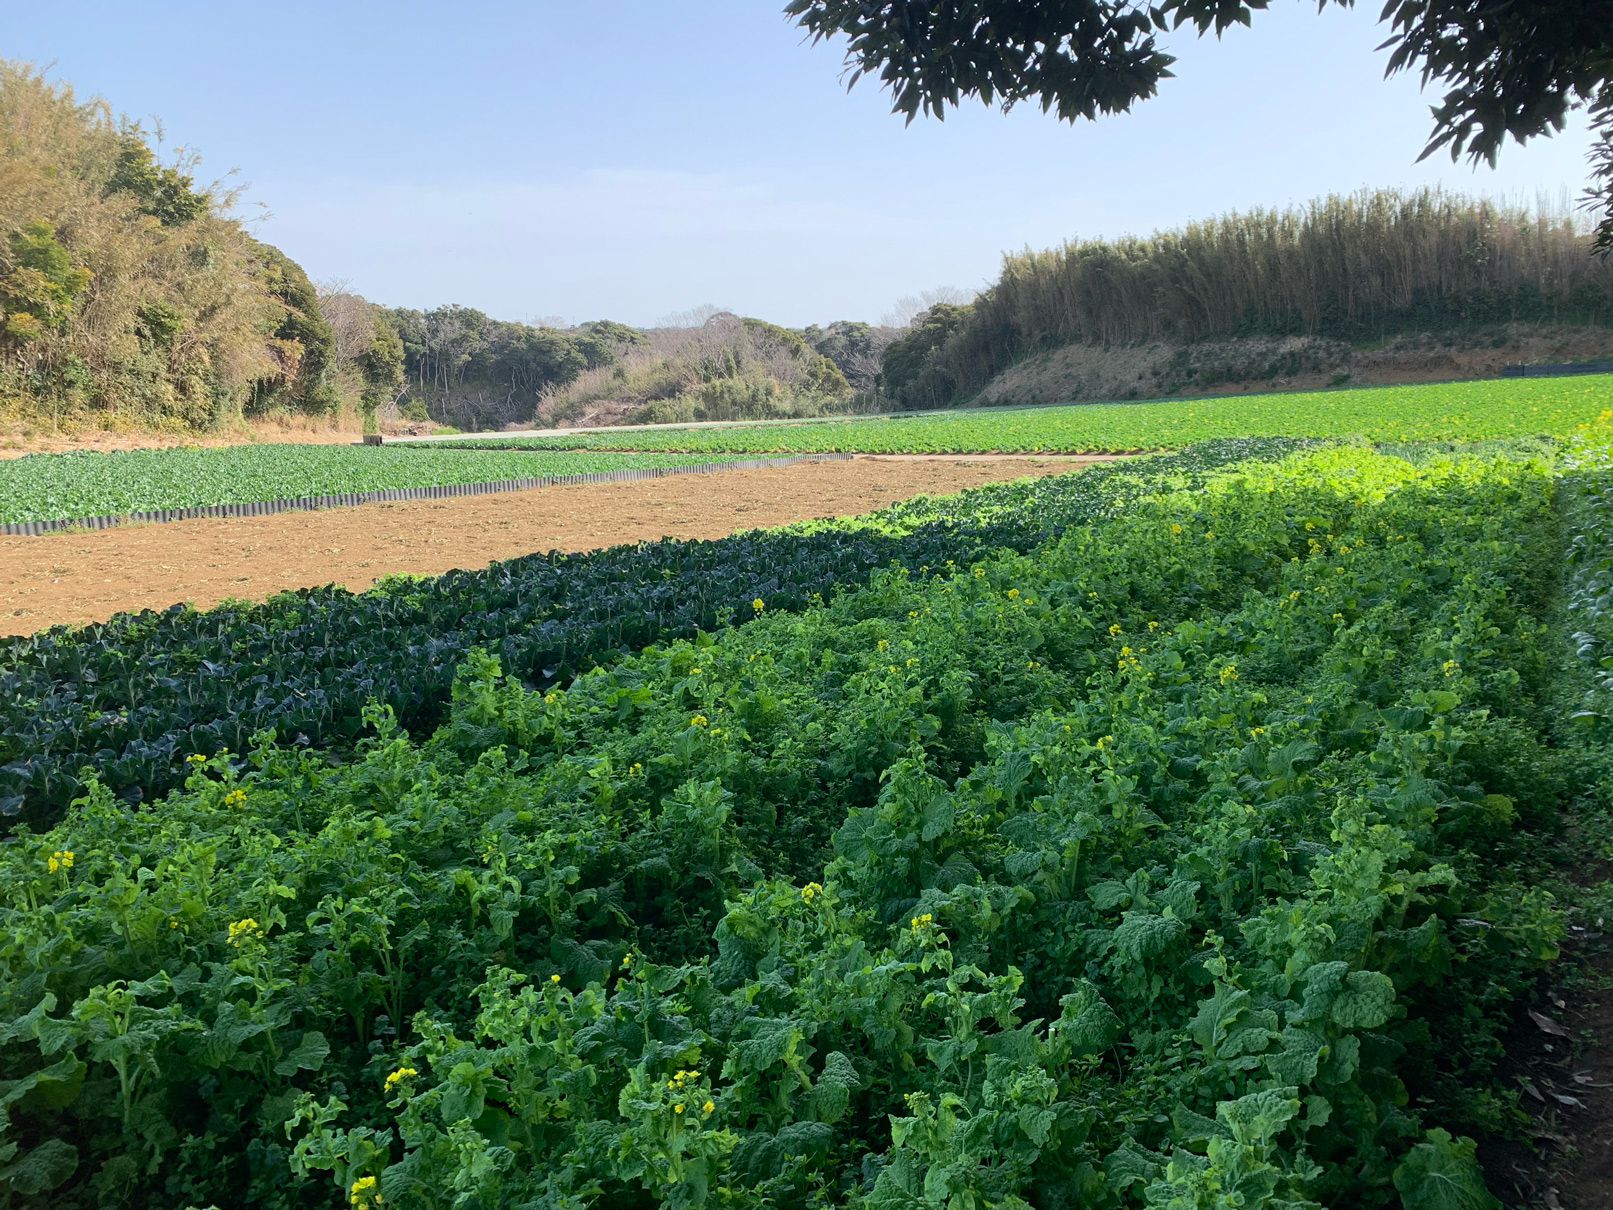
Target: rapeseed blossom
(242,931)
(399,1076)
(61,859)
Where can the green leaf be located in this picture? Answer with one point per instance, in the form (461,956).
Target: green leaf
(309,1054)
(42,1169)
(1365,1000)
(1442,1174)
(1086,1023)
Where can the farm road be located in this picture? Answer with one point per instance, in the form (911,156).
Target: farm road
(89,576)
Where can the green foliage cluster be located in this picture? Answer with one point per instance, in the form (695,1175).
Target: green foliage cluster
(84,483)
(908,370)
(1169,865)
(128,297)
(162,191)
(1355,268)
(1457,411)
(304,663)
(856,348)
(477,372)
(730,368)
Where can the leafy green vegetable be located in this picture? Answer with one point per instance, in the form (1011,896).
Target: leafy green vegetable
(132,697)
(1456,411)
(50,487)
(1135,868)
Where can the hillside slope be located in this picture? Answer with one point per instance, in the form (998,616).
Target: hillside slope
(1082,372)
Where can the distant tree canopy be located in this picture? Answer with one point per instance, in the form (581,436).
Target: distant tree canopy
(727,367)
(1512,69)
(485,372)
(855,347)
(907,358)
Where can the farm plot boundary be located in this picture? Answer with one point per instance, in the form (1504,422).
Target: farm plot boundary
(441,491)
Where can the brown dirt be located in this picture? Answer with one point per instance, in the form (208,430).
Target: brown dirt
(1560,1055)
(90,575)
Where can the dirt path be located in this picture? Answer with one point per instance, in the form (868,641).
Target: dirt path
(89,576)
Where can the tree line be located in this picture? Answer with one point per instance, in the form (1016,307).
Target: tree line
(1359,267)
(128,297)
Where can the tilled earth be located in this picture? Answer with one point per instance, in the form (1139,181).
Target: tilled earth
(88,576)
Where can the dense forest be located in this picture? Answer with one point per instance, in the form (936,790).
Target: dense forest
(128,296)
(1355,268)
(464,368)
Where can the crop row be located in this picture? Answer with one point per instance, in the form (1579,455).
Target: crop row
(134,696)
(48,487)
(1460,411)
(1169,861)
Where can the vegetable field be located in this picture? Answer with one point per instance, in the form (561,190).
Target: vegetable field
(1167,835)
(46,487)
(1459,411)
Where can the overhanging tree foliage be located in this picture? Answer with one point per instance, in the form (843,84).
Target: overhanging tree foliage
(1512,69)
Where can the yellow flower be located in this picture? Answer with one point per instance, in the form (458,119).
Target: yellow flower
(242,931)
(235,798)
(196,758)
(399,1076)
(1175,529)
(1125,651)
(1450,667)
(699,720)
(811,891)
(554,978)
(1114,628)
(678,1108)
(708,1107)
(1013,594)
(1229,673)
(758,605)
(881,645)
(363,1192)
(627,961)
(1153,626)
(61,859)
(694,671)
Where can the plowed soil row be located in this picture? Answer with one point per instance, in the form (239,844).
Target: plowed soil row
(89,576)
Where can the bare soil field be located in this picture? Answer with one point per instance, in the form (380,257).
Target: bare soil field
(85,576)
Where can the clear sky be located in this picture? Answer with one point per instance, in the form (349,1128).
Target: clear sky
(632,158)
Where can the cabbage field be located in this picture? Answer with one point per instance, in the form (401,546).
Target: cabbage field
(1170,834)
(54,487)
(48,487)
(1454,411)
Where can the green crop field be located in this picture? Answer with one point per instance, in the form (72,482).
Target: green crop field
(46,487)
(1179,834)
(1461,411)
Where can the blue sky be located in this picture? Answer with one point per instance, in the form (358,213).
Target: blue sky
(632,158)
